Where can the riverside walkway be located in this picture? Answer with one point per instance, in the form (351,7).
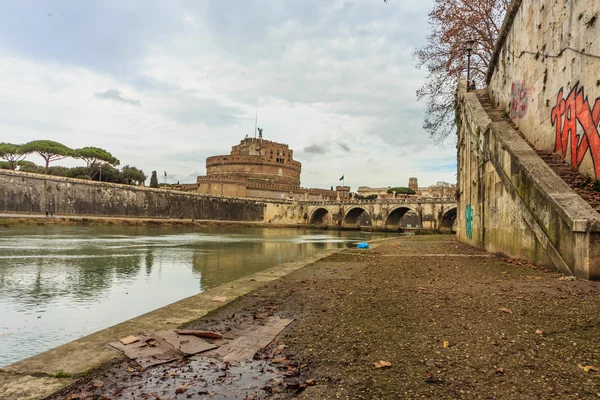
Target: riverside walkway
(451,321)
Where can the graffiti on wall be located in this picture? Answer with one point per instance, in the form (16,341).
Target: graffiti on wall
(519,94)
(576,125)
(469,221)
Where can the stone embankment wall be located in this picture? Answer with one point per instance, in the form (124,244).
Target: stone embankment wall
(511,202)
(32,193)
(545,75)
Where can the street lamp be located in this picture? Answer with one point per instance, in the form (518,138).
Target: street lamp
(469,47)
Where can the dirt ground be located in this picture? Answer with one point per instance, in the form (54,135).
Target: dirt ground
(453,322)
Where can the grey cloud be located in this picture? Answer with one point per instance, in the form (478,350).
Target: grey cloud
(315,149)
(344,147)
(115,94)
(192,111)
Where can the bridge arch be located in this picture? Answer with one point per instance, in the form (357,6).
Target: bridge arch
(395,217)
(448,220)
(320,216)
(357,217)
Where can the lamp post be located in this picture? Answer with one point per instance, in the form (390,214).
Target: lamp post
(469,47)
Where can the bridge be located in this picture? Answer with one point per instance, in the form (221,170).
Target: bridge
(389,214)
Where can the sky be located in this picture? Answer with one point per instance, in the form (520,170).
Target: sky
(163,85)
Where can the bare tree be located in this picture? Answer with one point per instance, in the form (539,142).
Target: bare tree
(452,23)
(442,189)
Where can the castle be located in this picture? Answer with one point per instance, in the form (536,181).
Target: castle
(260,168)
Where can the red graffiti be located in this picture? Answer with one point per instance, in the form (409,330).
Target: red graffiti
(519,94)
(565,115)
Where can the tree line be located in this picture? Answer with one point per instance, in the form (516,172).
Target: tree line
(100,164)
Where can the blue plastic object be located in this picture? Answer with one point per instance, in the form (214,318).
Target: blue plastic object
(363,245)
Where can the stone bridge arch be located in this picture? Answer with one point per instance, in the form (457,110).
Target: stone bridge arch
(357,217)
(320,216)
(448,220)
(395,215)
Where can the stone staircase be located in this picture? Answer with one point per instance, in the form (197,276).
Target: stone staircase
(578,182)
(582,185)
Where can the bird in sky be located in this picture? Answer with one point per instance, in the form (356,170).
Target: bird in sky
(48,15)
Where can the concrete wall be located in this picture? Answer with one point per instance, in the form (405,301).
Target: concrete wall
(544,74)
(511,202)
(32,193)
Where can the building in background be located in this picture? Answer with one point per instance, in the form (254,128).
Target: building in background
(259,168)
(413,183)
(440,189)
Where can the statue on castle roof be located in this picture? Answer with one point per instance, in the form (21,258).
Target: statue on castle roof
(260,131)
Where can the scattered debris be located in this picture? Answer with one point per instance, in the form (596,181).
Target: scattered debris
(162,347)
(429,378)
(539,332)
(383,364)
(195,332)
(249,338)
(500,371)
(506,310)
(97,384)
(189,345)
(219,299)
(446,344)
(129,339)
(80,396)
(566,278)
(587,368)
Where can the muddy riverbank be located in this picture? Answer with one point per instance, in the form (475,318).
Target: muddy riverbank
(451,321)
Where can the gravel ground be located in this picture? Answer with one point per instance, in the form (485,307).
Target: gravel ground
(452,321)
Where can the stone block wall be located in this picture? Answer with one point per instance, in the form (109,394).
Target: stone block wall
(545,74)
(33,193)
(228,189)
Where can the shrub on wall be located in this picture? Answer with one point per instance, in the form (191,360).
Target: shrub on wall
(369,197)
(401,190)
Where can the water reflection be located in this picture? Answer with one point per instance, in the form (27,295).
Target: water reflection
(61,283)
(229,261)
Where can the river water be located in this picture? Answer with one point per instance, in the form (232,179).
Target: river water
(60,283)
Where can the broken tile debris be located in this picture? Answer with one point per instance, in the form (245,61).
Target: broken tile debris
(175,344)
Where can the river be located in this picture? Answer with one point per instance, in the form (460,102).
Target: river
(59,283)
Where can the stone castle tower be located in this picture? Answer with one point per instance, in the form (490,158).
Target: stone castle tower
(258,168)
(257,160)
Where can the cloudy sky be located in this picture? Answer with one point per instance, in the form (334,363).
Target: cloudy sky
(164,84)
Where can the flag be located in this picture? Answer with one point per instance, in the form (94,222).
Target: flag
(165,173)
(342,178)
